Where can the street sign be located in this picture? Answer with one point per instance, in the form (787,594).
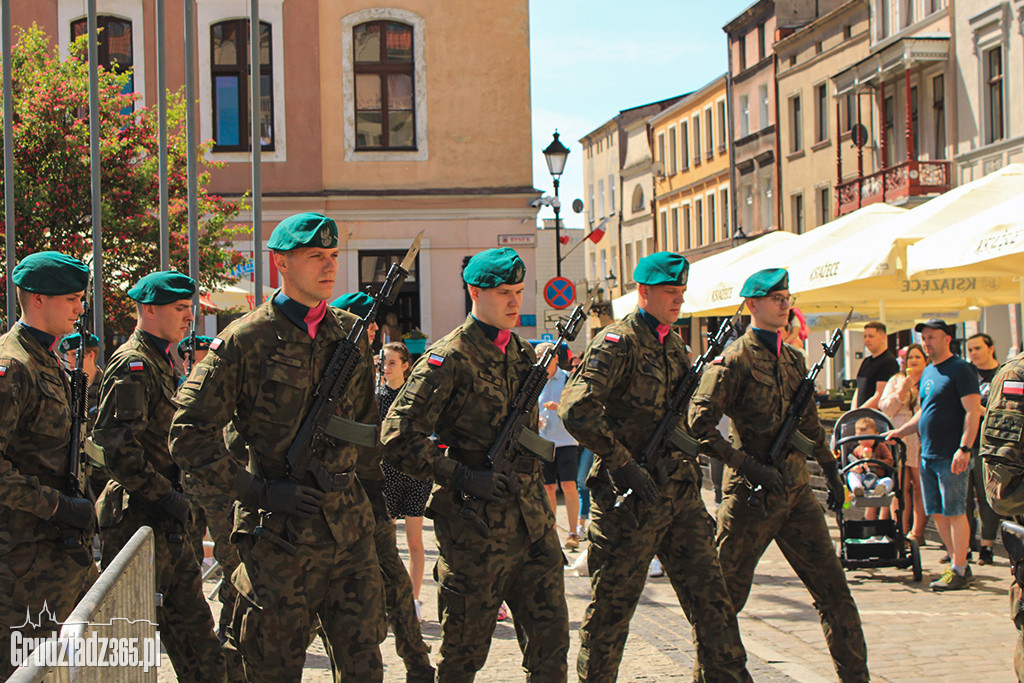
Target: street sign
(547,336)
(559,292)
(528,320)
(526,240)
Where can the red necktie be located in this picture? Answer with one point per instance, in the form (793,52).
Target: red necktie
(314,317)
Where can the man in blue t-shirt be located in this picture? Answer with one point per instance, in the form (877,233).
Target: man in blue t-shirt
(947,422)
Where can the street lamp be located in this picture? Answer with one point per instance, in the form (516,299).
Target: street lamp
(555,155)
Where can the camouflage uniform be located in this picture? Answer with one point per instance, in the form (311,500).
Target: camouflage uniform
(610,405)
(753,387)
(35,430)
(1002,435)
(463,388)
(134,417)
(259,376)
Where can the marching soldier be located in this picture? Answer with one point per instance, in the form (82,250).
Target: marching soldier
(398,601)
(134,417)
(45,530)
(462,388)
(1002,447)
(610,405)
(259,380)
(753,383)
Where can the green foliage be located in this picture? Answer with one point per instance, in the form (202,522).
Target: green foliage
(53,206)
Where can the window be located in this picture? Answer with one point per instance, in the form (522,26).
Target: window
(908,12)
(724,194)
(604,265)
(664,229)
(627,257)
(795,125)
(684,137)
(696,141)
(721,126)
(699,222)
(818,48)
(762,99)
(712,221)
(939,115)
(611,195)
(114,45)
(762,49)
(592,274)
(847,32)
(741,50)
(384,88)
(638,198)
(824,207)
(994,94)
(851,111)
(600,199)
(672,151)
(915,122)
(229,75)
(661,151)
(686,226)
(675,229)
(798,214)
(883,15)
(744,116)
(890,128)
(821,113)
(592,204)
(709,133)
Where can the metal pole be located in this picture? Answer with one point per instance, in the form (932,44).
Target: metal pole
(94,166)
(257,151)
(12,257)
(190,147)
(161,100)
(558,229)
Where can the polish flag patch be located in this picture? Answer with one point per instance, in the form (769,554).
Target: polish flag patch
(135,365)
(215,344)
(3,370)
(435,359)
(612,337)
(1013,388)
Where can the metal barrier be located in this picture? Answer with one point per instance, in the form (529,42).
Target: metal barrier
(122,605)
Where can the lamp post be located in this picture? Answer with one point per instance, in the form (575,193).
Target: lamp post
(555,155)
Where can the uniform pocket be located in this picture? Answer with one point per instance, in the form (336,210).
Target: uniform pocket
(282,391)
(1004,426)
(53,413)
(129,398)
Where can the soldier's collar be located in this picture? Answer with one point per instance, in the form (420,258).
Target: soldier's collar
(770,340)
(46,340)
(161,345)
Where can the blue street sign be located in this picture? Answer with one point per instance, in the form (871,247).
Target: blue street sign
(559,292)
(547,336)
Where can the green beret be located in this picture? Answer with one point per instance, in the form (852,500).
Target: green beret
(304,230)
(494,267)
(51,273)
(764,282)
(163,287)
(662,268)
(73,341)
(354,302)
(202,344)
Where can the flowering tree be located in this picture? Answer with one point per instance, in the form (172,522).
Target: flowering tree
(53,205)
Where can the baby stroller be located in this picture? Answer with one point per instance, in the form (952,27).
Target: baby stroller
(872,543)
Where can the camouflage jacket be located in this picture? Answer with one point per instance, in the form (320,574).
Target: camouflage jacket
(1002,435)
(93,398)
(753,387)
(618,394)
(260,376)
(134,416)
(35,432)
(462,388)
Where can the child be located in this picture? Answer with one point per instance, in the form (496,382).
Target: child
(870,477)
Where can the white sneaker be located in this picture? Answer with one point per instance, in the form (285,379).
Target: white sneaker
(419,610)
(580,531)
(656,569)
(580,565)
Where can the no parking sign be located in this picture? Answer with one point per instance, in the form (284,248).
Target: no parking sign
(559,292)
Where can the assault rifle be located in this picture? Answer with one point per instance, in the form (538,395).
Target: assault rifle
(76,542)
(514,431)
(321,429)
(666,432)
(190,348)
(788,437)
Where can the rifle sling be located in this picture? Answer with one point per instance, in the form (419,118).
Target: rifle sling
(351,431)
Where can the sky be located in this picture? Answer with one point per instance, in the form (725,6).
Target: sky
(589,59)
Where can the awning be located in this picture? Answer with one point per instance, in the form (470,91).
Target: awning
(235,296)
(891,61)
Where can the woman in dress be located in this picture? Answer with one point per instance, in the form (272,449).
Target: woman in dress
(900,401)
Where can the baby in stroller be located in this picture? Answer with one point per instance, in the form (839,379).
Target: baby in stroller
(870,478)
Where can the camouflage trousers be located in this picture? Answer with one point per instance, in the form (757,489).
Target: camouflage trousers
(281,596)
(475,575)
(1017,615)
(33,575)
(186,625)
(398,602)
(679,530)
(795,521)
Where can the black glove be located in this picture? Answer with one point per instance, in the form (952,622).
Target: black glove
(483,484)
(836,495)
(279,495)
(632,477)
(175,505)
(75,512)
(759,474)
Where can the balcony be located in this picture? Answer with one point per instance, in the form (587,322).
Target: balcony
(894,185)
